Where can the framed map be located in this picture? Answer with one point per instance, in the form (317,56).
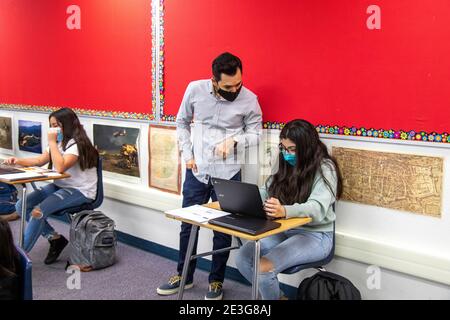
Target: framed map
(164,159)
(398,181)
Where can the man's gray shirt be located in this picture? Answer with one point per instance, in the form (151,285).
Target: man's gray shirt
(214,120)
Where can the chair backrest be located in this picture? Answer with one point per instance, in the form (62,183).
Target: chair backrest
(99,197)
(26,283)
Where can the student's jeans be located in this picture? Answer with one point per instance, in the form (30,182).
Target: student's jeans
(196,192)
(284,250)
(49,199)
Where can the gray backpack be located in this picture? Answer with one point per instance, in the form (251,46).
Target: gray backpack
(92,240)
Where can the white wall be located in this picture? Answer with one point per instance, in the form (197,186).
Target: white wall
(415,246)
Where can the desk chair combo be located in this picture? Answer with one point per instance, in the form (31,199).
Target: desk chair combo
(86,206)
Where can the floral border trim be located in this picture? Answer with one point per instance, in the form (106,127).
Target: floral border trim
(410,135)
(82,112)
(160,89)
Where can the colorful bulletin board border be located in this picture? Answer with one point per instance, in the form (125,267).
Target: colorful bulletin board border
(82,112)
(374,133)
(157,67)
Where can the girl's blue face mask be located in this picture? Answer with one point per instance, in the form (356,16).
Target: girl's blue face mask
(290,158)
(59,137)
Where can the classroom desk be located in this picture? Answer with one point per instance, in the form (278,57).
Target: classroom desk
(286,224)
(24,196)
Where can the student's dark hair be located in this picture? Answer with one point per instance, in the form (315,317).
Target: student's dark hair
(8,254)
(294,184)
(225,63)
(72,129)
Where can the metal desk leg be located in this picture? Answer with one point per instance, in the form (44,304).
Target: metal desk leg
(24,214)
(256,270)
(187,260)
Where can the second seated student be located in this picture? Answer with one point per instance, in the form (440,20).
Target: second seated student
(226,118)
(307,184)
(9,264)
(68,151)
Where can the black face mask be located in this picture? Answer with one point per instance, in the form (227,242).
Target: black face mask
(228,95)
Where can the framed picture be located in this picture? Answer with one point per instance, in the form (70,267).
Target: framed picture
(6,141)
(118,146)
(164,159)
(30,136)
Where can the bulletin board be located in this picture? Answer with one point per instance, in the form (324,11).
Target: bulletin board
(319,61)
(104,68)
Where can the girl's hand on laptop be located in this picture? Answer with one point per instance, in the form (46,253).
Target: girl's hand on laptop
(274,209)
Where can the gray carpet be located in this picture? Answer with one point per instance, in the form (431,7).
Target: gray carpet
(135,276)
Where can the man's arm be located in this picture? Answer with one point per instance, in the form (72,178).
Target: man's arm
(184,119)
(253,127)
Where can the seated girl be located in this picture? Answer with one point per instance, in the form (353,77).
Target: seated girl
(307,184)
(9,264)
(70,151)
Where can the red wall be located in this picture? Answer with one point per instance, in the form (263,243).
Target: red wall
(104,66)
(317,59)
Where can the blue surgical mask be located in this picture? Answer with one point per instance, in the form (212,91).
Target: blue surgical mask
(59,137)
(290,158)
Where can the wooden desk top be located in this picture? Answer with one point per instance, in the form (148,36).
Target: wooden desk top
(43,178)
(286,224)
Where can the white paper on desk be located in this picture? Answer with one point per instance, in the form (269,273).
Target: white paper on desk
(197,213)
(53,174)
(20,176)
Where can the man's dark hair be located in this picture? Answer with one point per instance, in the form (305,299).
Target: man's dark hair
(225,63)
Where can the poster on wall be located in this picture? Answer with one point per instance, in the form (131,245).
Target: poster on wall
(30,136)
(406,182)
(118,146)
(164,165)
(6,133)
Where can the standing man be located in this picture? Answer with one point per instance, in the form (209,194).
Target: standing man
(226,118)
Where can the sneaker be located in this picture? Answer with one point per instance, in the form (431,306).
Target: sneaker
(215,291)
(172,286)
(56,247)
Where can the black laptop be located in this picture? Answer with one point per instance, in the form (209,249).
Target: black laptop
(244,202)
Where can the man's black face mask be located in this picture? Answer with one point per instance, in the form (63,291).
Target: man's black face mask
(228,95)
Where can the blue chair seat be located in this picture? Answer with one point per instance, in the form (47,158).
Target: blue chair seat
(316,264)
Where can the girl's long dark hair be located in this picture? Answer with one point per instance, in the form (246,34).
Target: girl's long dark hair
(294,184)
(8,255)
(72,129)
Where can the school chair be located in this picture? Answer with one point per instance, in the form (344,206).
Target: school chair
(94,204)
(86,206)
(26,283)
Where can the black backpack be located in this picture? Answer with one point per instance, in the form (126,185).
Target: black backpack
(8,198)
(325,285)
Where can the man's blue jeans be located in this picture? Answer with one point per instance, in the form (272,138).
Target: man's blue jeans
(49,199)
(196,192)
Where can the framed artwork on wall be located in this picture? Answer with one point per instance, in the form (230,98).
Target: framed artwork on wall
(164,159)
